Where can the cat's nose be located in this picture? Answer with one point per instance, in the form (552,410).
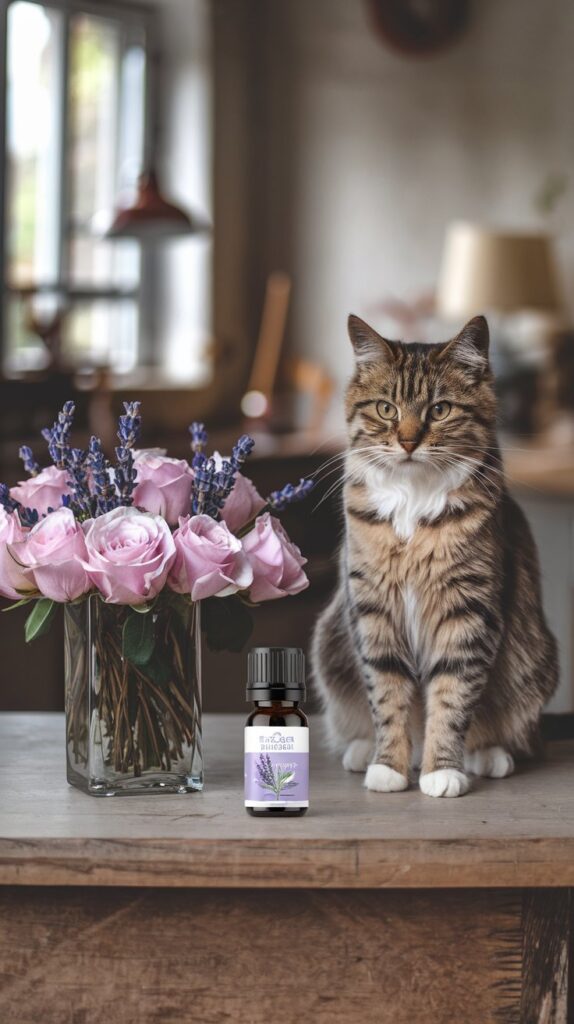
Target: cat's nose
(409,446)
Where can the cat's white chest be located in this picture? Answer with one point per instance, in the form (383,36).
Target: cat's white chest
(409,495)
(413,628)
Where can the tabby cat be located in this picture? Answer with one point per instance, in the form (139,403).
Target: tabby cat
(435,643)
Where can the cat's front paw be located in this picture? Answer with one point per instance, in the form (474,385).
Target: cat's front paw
(444,782)
(358,755)
(383,779)
(491,762)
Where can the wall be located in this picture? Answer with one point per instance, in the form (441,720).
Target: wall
(369,154)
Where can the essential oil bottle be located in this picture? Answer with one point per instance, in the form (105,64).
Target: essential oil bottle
(276,733)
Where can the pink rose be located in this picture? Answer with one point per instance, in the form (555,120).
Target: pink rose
(276,561)
(129,555)
(53,552)
(163,486)
(243,503)
(210,561)
(43,491)
(12,578)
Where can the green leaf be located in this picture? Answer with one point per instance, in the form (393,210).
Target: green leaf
(142,609)
(138,638)
(17,604)
(226,623)
(158,669)
(179,603)
(39,619)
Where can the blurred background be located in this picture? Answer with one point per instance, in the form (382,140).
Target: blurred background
(195,194)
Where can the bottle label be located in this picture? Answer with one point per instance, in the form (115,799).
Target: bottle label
(276,766)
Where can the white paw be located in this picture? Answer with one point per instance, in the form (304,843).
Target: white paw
(358,755)
(491,762)
(444,782)
(383,779)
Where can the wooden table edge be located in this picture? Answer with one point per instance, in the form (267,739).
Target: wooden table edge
(290,863)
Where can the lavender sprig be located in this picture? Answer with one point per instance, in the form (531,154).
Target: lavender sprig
(198,442)
(278,500)
(265,771)
(224,479)
(125,473)
(27,516)
(223,482)
(10,504)
(201,494)
(129,425)
(58,436)
(211,486)
(241,451)
(81,499)
(105,497)
(30,464)
(274,779)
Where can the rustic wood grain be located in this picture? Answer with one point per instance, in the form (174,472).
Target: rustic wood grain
(79,956)
(546,948)
(513,832)
(289,864)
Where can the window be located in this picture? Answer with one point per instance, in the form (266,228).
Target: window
(75,134)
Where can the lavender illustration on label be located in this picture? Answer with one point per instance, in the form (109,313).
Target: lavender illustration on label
(274,780)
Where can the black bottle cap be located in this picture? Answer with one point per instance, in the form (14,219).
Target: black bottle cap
(275,673)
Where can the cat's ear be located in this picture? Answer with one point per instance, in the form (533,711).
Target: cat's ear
(369,346)
(470,346)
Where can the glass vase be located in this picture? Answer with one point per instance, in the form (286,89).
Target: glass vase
(133,725)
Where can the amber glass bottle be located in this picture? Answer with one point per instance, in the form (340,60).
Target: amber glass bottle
(276,733)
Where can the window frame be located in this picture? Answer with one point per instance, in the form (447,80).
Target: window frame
(142,293)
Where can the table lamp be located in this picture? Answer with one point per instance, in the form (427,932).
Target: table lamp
(501,274)
(488,271)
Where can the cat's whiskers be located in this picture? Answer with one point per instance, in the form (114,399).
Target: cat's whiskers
(341,456)
(329,464)
(436,457)
(502,472)
(329,492)
(346,476)
(478,471)
(326,440)
(369,455)
(469,458)
(503,448)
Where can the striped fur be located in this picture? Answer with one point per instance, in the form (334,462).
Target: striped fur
(436,634)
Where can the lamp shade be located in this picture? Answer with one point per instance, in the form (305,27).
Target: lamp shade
(152,217)
(491,271)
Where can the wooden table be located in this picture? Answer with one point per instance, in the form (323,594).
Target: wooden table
(371,908)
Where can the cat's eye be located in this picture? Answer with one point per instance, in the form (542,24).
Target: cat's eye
(387,411)
(440,410)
